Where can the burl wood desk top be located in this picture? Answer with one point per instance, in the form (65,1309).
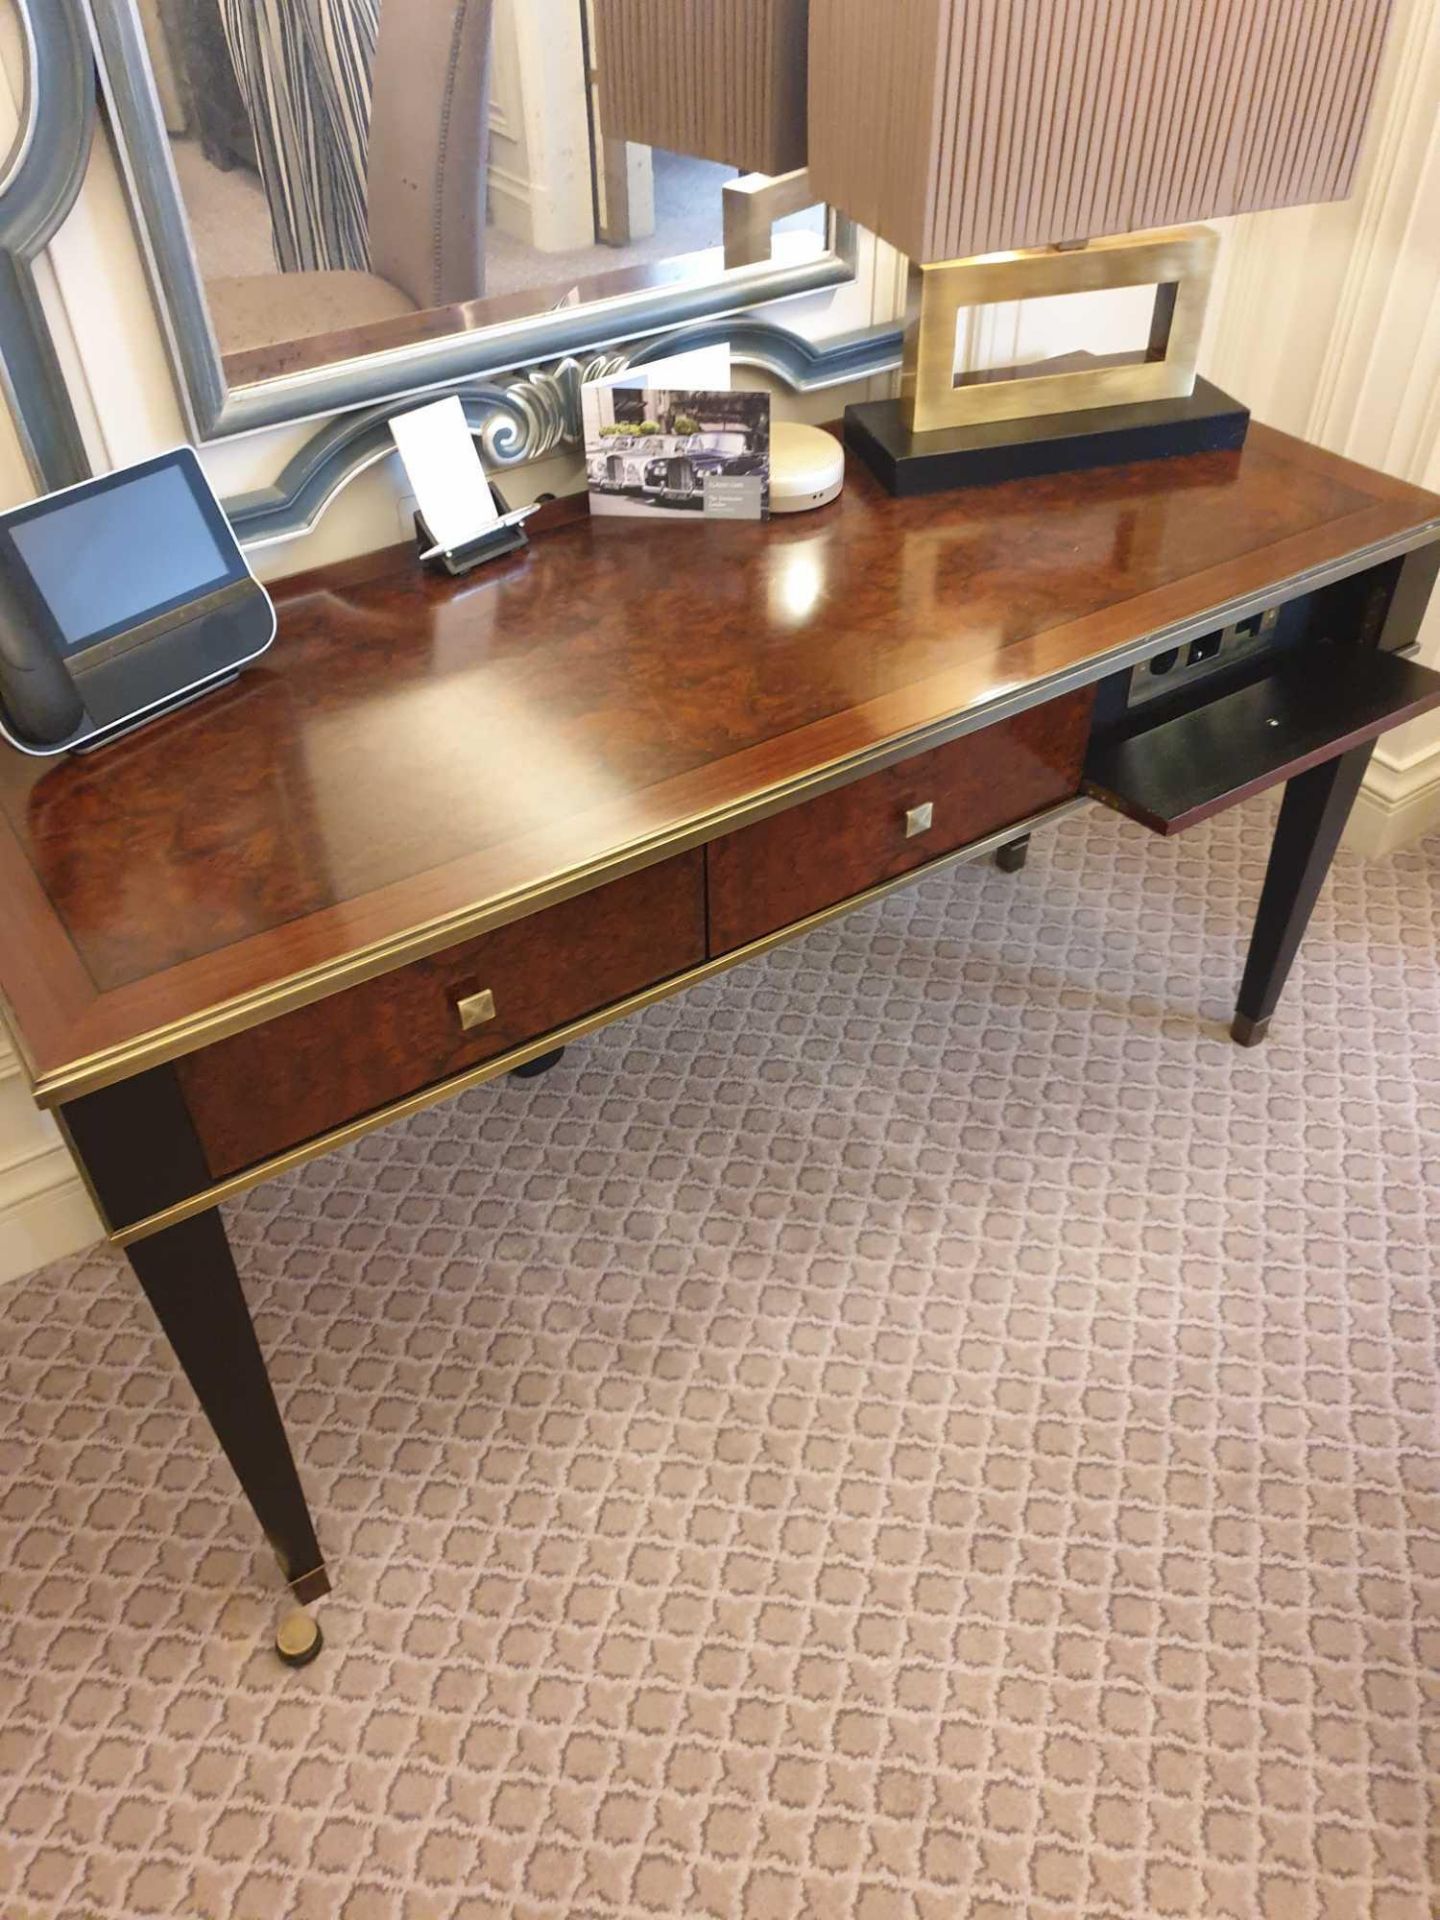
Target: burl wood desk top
(416,759)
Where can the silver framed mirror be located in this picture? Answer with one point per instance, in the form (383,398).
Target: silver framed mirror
(41,178)
(190,181)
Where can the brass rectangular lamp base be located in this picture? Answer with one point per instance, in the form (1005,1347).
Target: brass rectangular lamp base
(1069,413)
(1178,262)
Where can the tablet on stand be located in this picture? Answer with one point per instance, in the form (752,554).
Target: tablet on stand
(461,518)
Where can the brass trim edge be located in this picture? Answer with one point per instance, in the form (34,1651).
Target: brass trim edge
(170,1042)
(504,1063)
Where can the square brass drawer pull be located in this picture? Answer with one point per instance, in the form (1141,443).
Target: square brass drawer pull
(419,1026)
(475,1011)
(780,869)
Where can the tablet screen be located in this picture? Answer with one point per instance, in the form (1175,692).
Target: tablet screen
(107,560)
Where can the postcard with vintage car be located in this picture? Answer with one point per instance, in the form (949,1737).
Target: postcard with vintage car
(685,451)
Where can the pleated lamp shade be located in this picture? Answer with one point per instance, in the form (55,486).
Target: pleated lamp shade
(961,127)
(722,79)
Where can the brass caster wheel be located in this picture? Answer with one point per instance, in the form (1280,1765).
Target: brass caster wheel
(298,1639)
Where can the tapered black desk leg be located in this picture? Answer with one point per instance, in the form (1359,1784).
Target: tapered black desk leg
(1312,818)
(1012,856)
(189,1277)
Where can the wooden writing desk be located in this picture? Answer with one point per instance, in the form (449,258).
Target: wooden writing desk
(446,827)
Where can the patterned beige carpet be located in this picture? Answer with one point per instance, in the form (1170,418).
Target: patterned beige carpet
(921,1429)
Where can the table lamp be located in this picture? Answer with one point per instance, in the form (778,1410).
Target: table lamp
(1019,151)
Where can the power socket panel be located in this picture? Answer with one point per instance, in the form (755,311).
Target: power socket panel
(1212,653)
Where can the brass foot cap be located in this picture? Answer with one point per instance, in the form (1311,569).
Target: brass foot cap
(298,1639)
(1247,1032)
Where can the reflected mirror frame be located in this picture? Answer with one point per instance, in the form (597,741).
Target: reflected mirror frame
(40,178)
(215,411)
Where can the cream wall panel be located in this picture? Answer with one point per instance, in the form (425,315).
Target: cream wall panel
(167,84)
(539,177)
(557,132)
(45,1211)
(1330,328)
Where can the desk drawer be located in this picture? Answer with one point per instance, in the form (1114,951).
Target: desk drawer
(277,1085)
(812,857)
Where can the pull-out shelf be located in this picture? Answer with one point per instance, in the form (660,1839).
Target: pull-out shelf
(1171,774)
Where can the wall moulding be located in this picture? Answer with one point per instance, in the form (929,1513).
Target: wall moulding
(40,181)
(526,415)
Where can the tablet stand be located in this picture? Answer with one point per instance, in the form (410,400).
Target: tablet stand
(493,544)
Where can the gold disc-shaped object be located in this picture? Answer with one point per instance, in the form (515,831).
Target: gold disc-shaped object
(298,1639)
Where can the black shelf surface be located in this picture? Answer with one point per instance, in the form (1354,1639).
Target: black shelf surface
(1174,773)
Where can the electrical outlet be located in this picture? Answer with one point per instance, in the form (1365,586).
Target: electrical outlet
(1209,654)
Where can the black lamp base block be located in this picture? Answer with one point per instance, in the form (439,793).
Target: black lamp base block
(909,463)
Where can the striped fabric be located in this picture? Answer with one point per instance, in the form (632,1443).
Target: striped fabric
(304,68)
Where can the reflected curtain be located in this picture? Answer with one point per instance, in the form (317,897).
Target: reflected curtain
(305,70)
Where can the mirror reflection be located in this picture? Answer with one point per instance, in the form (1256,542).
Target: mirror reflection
(362,174)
